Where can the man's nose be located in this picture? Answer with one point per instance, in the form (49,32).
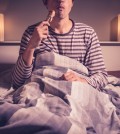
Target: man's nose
(60,1)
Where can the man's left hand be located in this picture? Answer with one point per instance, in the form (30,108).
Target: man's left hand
(71,76)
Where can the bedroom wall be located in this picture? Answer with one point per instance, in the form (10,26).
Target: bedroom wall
(111,54)
(96,13)
(21,13)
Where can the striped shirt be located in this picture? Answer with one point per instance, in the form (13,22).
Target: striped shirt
(80,43)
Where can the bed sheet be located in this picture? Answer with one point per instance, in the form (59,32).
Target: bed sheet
(47,105)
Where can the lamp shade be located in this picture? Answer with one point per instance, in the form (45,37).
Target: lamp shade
(119,27)
(1,27)
(115,29)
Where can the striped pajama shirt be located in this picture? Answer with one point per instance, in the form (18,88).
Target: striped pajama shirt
(80,43)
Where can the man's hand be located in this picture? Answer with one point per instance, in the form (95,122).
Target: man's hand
(40,32)
(72,76)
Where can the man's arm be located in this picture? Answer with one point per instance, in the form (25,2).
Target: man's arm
(22,71)
(95,64)
(24,66)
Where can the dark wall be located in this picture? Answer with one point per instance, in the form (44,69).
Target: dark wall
(21,13)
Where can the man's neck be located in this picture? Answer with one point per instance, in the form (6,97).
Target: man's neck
(61,26)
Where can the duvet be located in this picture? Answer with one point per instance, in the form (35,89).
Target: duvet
(45,104)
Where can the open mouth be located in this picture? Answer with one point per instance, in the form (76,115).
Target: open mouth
(60,8)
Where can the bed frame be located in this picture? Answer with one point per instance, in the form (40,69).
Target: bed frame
(114,73)
(4,67)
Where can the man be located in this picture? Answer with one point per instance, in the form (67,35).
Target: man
(65,37)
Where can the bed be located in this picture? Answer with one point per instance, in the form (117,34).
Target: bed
(58,107)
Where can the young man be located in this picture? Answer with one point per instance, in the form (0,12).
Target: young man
(65,37)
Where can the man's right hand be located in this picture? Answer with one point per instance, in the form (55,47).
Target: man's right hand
(40,33)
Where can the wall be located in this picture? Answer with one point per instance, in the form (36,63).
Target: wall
(96,13)
(21,13)
(111,56)
(9,54)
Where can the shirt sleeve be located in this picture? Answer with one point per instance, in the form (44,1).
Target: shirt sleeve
(21,72)
(95,63)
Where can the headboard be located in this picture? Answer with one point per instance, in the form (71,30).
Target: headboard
(111,52)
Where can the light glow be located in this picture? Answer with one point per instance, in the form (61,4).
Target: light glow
(118,27)
(1,27)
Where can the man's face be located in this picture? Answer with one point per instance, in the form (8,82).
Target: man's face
(62,8)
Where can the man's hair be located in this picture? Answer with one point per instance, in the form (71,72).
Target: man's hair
(45,1)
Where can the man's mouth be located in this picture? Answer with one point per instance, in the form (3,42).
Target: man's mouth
(60,8)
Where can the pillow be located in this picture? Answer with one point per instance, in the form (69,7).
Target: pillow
(113,80)
(5,81)
(5,73)
(5,76)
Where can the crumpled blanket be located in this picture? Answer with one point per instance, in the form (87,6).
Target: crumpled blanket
(45,104)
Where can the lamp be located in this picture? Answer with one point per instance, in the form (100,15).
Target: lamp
(1,27)
(119,27)
(115,29)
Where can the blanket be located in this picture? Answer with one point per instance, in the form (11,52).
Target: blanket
(45,104)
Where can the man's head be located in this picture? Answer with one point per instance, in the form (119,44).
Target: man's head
(62,8)
(45,2)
